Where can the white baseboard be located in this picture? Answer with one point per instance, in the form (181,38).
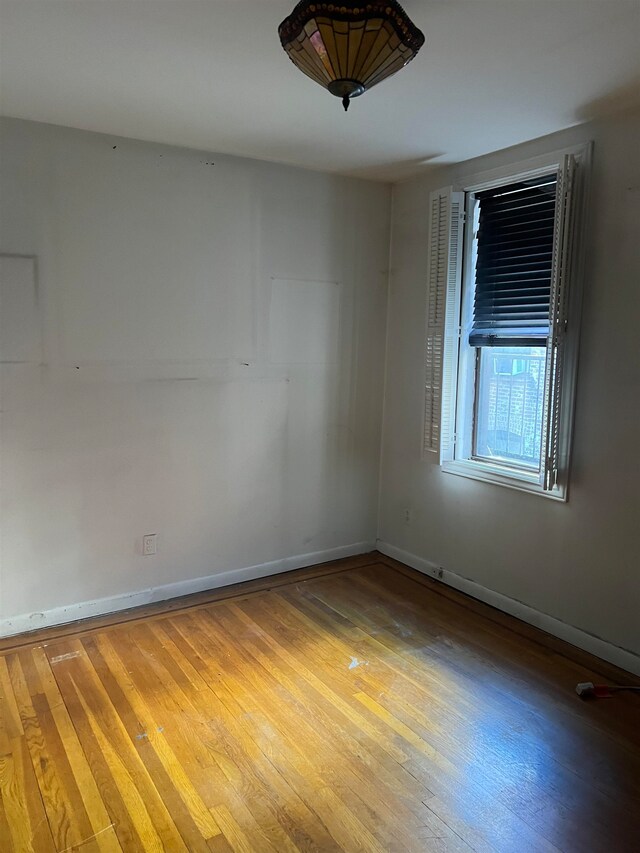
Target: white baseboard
(112,604)
(577,637)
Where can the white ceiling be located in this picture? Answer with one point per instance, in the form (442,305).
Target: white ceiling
(212,75)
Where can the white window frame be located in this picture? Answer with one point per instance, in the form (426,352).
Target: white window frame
(445,371)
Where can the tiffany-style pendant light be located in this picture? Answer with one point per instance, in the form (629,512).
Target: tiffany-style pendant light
(349,47)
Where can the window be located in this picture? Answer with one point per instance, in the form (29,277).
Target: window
(502,324)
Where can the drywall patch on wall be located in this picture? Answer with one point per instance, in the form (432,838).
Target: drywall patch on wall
(304,322)
(167,265)
(20,321)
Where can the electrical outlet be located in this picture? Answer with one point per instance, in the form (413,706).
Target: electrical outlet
(149,544)
(407,516)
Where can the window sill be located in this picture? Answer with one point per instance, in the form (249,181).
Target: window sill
(487,473)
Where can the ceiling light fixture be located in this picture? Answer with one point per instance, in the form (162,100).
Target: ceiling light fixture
(349,47)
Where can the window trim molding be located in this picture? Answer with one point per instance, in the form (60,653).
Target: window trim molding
(531,167)
(538,165)
(487,473)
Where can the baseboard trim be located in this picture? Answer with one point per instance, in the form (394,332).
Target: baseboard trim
(577,637)
(112,604)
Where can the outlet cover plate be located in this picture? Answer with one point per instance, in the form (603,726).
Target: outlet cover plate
(149,544)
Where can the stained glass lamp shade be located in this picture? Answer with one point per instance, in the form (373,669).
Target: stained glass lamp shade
(349,48)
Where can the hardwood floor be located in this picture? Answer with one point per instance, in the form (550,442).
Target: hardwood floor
(356,706)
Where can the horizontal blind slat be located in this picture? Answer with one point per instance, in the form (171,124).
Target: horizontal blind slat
(521,205)
(528,187)
(519,216)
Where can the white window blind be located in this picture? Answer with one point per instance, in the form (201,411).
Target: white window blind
(446,231)
(563,256)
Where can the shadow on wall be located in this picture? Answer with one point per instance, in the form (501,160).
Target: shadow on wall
(398,170)
(624,99)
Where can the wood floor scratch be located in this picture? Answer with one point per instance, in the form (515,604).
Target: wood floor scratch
(86,840)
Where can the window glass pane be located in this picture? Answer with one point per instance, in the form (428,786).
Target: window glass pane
(510,405)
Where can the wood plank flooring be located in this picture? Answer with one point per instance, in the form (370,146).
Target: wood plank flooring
(356,706)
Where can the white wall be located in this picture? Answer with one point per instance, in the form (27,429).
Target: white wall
(576,562)
(208,367)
